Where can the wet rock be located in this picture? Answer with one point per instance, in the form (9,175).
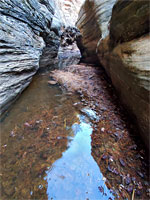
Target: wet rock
(90,113)
(110,168)
(111,159)
(52,82)
(104,157)
(101,189)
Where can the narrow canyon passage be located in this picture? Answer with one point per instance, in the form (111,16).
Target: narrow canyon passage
(55,139)
(46,146)
(74,99)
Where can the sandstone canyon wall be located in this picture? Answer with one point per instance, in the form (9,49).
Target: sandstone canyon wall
(117,33)
(68,10)
(93,22)
(26,28)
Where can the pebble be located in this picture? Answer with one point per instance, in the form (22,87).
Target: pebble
(75,104)
(38,121)
(12,134)
(101,189)
(104,157)
(111,158)
(52,82)
(27,124)
(109,168)
(104,179)
(40,186)
(102,129)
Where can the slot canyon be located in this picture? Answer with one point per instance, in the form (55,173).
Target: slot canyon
(74,99)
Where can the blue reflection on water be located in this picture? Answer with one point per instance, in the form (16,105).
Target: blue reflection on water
(76,175)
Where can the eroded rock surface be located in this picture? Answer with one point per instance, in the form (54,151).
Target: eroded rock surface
(93,24)
(123,51)
(30,34)
(68,10)
(128,65)
(24,25)
(130,20)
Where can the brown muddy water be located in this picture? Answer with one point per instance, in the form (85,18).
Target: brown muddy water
(46,147)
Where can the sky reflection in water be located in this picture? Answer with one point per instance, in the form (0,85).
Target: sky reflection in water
(76,175)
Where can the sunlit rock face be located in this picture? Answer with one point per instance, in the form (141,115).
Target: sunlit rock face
(26,28)
(68,10)
(120,40)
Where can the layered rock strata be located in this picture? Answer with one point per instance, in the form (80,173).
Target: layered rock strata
(24,30)
(93,23)
(30,34)
(121,42)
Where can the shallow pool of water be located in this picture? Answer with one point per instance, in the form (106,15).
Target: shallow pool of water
(76,175)
(46,147)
